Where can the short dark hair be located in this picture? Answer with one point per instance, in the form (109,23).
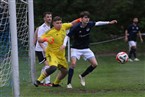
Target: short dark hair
(84,13)
(45,13)
(57,18)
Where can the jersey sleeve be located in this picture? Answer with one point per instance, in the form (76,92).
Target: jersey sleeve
(67,26)
(71,31)
(100,23)
(91,23)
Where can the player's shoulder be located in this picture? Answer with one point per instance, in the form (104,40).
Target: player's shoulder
(66,24)
(91,23)
(77,25)
(43,26)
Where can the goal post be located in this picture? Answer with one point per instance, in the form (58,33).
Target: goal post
(31,39)
(17,54)
(14,51)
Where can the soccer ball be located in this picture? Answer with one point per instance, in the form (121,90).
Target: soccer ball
(122,57)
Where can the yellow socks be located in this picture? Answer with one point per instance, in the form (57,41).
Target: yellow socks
(57,81)
(41,77)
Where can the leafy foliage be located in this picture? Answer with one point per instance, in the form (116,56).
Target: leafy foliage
(121,10)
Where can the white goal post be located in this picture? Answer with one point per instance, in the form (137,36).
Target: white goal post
(14,51)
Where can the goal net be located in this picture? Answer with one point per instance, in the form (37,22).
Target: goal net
(5,51)
(6,81)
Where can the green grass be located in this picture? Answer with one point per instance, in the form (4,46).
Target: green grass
(109,79)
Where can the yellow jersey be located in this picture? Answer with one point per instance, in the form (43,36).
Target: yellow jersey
(58,36)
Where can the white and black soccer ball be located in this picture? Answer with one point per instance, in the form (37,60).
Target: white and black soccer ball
(122,57)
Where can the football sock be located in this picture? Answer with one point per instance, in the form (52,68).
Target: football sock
(41,77)
(134,52)
(70,75)
(130,53)
(88,70)
(57,81)
(48,71)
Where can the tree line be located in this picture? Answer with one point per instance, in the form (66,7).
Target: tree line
(121,10)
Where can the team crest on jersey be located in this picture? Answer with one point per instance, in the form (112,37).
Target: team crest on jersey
(88,29)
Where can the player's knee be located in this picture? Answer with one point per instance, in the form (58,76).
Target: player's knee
(51,69)
(94,65)
(65,71)
(133,49)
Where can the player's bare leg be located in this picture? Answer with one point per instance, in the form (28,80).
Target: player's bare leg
(60,76)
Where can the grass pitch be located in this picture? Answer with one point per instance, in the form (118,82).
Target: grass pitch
(109,79)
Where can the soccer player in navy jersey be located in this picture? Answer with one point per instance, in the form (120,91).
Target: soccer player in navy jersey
(80,46)
(131,36)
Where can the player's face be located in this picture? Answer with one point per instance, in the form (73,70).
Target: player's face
(48,18)
(85,19)
(135,20)
(57,24)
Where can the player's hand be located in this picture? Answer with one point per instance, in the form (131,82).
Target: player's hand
(62,47)
(113,22)
(49,39)
(141,40)
(126,39)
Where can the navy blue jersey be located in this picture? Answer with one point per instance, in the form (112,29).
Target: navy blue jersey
(132,31)
(81,35)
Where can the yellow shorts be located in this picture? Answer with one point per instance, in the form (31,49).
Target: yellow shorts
(54,60)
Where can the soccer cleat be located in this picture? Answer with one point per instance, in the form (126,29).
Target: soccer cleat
(49,84)
(37,83)
(56,85)
(69,86)
(136,59)
(82,80)
(43,84)
(130,60)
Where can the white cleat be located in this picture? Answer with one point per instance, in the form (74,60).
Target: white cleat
(130,60)
(82,80)
(69,86)
(136,59)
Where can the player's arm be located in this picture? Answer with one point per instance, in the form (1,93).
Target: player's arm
(45,38)
(126,35)
(99,23)
(71,32)
(140,36)
(64,42)
(35,36)
(74,22)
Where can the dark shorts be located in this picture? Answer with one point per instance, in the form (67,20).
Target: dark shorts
(41,56)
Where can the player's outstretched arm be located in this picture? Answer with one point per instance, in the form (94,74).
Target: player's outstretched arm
(100,23)
(74,22)
(113,22)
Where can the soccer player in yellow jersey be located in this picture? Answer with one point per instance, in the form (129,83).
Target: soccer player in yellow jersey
(54,55)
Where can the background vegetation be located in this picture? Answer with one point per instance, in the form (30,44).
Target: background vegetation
(121,10)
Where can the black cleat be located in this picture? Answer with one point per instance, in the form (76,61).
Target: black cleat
(37,83)
(56,85)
